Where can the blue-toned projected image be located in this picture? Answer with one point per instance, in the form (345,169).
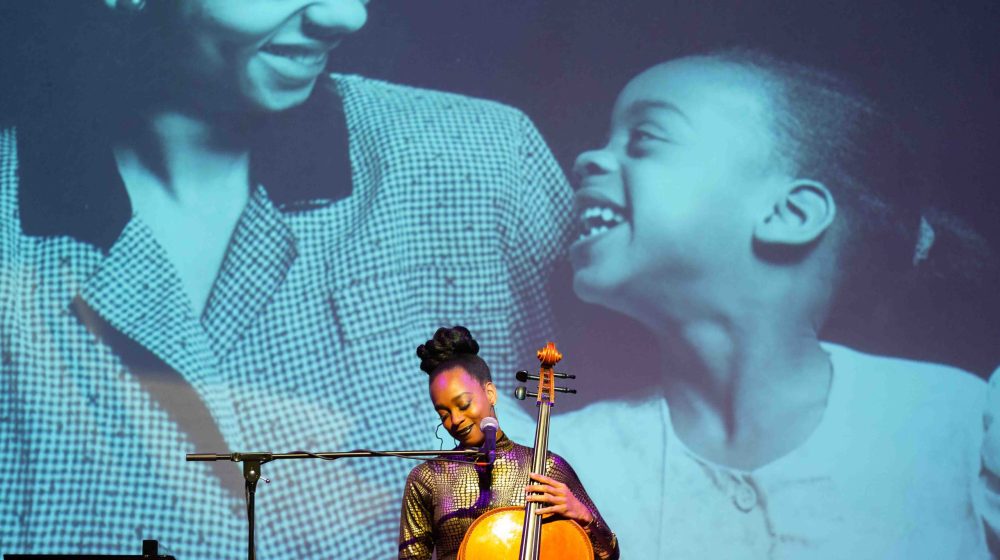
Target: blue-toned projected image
(212,245)
(716,217)
(764,238)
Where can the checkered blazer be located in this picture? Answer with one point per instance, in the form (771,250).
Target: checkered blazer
(454,215)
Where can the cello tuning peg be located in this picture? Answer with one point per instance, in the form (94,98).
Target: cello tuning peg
(521,393)
(565,390)
(523,376)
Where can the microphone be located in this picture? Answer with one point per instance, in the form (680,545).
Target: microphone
(489,427)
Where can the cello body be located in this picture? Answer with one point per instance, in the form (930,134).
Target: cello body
(496,535)
(516,532)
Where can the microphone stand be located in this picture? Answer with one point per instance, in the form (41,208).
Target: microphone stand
(253,460)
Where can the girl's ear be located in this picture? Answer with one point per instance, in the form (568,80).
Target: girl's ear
(800,216)
(491,392)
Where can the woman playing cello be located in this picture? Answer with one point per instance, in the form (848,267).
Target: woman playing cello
(442,499)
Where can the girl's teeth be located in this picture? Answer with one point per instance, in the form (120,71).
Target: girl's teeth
(599,219)
(590,232)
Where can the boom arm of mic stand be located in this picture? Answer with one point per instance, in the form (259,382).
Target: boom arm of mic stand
(254,459)
(265,457)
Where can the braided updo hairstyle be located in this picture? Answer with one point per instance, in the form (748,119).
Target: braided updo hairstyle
(451,347)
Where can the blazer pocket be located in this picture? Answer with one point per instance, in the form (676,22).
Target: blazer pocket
(413,302)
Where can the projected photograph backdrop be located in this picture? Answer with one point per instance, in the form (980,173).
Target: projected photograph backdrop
(782,313)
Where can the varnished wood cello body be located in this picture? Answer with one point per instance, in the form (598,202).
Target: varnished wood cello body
(518,533)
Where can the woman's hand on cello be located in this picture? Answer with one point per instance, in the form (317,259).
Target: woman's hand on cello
(561,500)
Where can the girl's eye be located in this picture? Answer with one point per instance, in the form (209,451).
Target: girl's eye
(640,141)
(641,135)
(465,406)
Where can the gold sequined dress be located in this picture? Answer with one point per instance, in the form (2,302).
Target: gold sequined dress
(442,499)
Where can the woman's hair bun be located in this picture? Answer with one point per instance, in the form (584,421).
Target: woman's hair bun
(447,344)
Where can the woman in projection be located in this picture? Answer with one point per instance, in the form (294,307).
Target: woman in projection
(442,499)
(739,202)
(207,242)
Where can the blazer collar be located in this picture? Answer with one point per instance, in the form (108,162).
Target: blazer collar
(69,182)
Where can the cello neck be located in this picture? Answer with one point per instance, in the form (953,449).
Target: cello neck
(532,529)
(541,438)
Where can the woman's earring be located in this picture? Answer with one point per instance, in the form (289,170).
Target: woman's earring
(130,6)
(441,445)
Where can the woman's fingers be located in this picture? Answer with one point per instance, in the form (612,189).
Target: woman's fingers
(547,481)
(550,509)
(545,489)
(546,498)
(547,486)
(561,501)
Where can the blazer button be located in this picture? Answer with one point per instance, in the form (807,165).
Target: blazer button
(745,497)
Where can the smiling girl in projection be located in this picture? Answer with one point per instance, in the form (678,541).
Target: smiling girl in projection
(739,201)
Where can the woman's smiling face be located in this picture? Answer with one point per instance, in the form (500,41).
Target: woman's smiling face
(462,402)
(673,197)
(262,55)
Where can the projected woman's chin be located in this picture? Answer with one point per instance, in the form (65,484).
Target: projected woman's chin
(237,54)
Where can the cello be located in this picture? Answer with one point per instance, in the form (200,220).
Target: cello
(518,533)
